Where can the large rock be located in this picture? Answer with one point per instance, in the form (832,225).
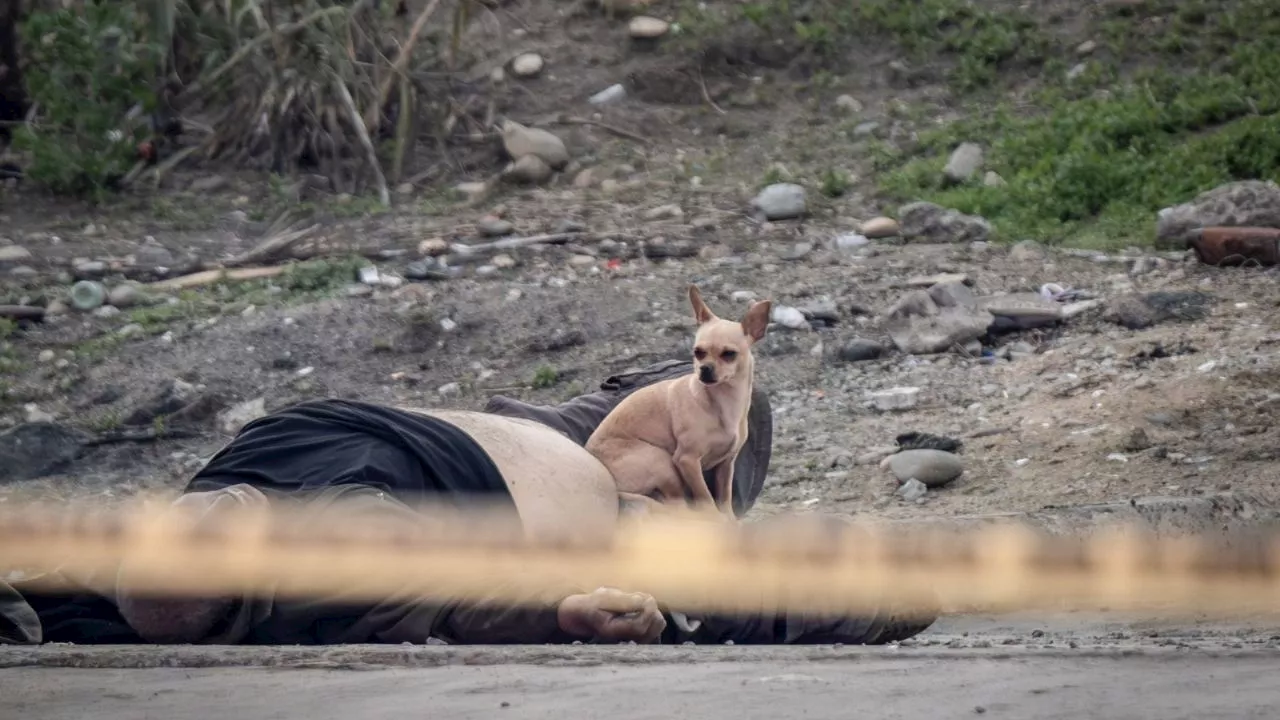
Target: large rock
(927,222)
(934,468)
(780,201)
(965,162)
(521,141)
(1245,203)
(918,326)
(13,255)
(1141,311)
(34,450)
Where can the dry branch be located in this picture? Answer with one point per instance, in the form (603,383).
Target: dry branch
(362,132)
(373,115)
(513,243)
(209,277)
(271,248)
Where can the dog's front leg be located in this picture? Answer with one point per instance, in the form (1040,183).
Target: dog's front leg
(690,466)
(724,485)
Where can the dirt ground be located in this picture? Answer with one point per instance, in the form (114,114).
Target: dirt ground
(1086,411)
(1015,666)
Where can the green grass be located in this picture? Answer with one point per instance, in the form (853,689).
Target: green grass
(1098,160)
(544,377)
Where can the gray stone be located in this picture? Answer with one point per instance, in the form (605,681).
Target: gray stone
(521,141)
(126,296)
(231,420)
(952,326)
(89,269)
(860,349)
(992,179)
(927,222)
(1249,202)
(952,294)
(796,252)
(916,303)
(848,104)
(13,254)
(429,269)
(154,255)
(529,169)
(780,201)
(1139,311)
(490,226)
(965,162)
(934,468)
(1028,251)
(34,450)
(527,65)
(1022,311)
(912,490)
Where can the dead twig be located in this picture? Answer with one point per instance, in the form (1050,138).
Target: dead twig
(271,248)
(373,115)
(513,243)
(574,120)
(702,84)
(362,133)
(209,277)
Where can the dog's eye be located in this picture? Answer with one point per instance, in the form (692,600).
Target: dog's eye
(729,355)
(700,353)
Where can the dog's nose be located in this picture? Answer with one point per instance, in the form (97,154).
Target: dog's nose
(706,374)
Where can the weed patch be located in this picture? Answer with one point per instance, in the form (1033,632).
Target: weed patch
(1093,167)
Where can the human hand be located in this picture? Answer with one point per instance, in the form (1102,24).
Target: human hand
(612,615)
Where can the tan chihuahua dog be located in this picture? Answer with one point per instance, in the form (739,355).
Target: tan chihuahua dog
(661,438)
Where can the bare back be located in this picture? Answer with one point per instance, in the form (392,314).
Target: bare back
(560,489)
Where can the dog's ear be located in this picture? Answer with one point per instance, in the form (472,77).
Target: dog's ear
(756,321)
(701,312)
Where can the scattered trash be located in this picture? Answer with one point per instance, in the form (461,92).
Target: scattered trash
(610,94)
(899,398)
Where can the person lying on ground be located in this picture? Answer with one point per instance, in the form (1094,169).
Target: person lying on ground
(347,460)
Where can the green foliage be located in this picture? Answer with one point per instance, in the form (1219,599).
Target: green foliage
(86,68)
(544,377)
(1096,164)
(835,183)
